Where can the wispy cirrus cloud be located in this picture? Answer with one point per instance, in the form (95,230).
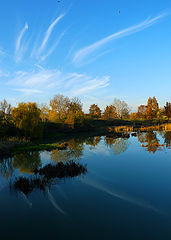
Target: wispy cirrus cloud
(49,31)
(51,81)
(81,54)
(20,49)
(90,85)
(54,46)
(27,90)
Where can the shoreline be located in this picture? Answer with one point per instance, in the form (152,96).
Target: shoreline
(14,145)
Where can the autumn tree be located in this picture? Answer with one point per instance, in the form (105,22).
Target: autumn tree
(141,111)
(110,112)
(122,108)
(65,110)
(152,108)
(149,112)
(133,116)
(155,107)
(75,115)
(26,117)
(75,106)
(167,110)
(95,111)
(59,107)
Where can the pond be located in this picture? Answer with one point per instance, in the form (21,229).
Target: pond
(108,188)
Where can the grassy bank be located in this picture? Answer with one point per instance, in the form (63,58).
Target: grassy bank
(11,146)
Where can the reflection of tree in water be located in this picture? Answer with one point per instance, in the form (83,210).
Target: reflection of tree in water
(93,141)
(141,137)
(119,145)
(27,162)
(151,140)
(167,140)
(73,151)
(109,141)
(6,167)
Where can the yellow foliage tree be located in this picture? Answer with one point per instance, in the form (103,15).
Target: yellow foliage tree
(110,112)
(95,111)
(152,108)
(27,118)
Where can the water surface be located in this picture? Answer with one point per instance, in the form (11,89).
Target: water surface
(125,193)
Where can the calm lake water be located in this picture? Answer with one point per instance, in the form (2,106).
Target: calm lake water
(125,193)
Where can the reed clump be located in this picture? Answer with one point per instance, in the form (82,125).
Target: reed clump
(47,176)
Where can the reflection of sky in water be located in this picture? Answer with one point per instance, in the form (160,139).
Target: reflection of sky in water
(126,187)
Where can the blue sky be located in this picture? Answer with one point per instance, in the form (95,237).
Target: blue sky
(85,48)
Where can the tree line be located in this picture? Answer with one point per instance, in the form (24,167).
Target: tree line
(29,119)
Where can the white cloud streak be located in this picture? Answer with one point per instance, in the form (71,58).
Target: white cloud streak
(54,46)
(18,43)
(84,52)
(49,31)
(90,85)
(21,48)
(27,90)
(54,81)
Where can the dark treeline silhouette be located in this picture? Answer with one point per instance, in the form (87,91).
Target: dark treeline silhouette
(64,114)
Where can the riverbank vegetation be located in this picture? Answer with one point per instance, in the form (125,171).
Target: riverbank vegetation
(21,125)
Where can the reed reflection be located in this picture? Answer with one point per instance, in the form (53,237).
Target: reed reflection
(46,176)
